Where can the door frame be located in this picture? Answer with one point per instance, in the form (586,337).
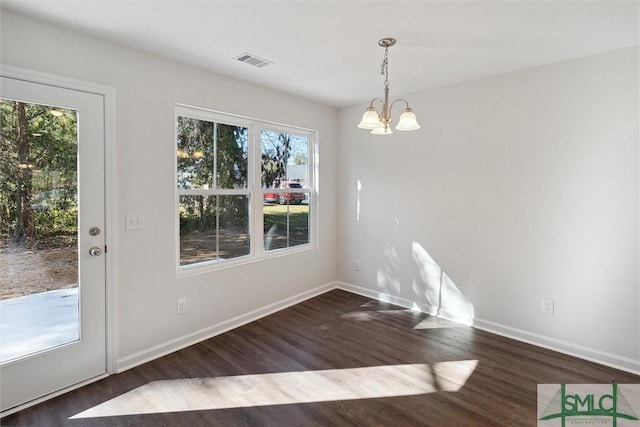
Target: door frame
(108,94)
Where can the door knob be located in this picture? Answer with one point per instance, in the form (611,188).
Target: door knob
(95,251)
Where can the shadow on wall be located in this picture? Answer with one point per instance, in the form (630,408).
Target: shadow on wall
(433,290)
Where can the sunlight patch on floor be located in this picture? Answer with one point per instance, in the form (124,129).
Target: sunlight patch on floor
(197,394)
(368,315)
(427,323)
(436,322)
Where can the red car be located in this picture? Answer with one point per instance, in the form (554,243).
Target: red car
(283,198)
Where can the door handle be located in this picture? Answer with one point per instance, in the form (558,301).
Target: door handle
(95,251)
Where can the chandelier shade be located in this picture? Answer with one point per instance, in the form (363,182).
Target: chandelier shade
(408,121)
(381,130)
(380,122)
(370,119)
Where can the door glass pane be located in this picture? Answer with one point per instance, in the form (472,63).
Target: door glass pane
(39,307)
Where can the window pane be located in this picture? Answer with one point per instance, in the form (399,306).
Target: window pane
(213,228)
(233,219)
(208,150)
(195,153)
(231,156)
(285,225)
(284,159)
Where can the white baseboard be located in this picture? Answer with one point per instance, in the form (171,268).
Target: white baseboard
(455,317)
(604,358)
(582,352)
(392,299)
(168,347)
(593,355)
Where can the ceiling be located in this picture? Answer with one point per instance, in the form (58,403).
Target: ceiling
(327,51)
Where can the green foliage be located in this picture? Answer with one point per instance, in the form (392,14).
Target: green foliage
(300,159)
(56,221)
(275,155)
(211,155)
(35,161)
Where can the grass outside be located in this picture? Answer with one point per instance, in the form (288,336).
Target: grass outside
(282,234)
(277,214)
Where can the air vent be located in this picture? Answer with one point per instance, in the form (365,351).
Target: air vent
(250,59)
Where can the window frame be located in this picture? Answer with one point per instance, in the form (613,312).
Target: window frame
(254,190)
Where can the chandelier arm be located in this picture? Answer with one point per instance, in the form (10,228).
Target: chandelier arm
(398,100)
(377,99)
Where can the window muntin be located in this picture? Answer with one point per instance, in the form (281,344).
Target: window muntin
(227,168)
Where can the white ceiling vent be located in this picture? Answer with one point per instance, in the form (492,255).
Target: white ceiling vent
(251,59)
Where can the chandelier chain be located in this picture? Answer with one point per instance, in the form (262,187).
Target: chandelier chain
(384,69)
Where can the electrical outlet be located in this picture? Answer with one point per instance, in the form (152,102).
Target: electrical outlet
(356,265)
(182,306)
(547,306)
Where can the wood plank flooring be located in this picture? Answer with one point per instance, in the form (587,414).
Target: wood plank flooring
(387,365)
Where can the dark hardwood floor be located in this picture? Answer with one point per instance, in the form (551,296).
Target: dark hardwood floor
(330,334)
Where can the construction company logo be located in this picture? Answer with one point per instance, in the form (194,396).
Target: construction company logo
(611,405)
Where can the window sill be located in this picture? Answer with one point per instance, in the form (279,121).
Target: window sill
(212,266)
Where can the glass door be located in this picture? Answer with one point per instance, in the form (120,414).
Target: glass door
(52,278)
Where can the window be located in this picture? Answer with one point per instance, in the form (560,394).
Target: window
(244,188)
(285,174)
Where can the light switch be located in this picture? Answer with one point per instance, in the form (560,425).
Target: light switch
(134,222)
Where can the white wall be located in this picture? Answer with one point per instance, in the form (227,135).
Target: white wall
(147,88)
(520,186)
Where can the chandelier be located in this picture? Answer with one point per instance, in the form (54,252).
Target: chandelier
(379,122)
